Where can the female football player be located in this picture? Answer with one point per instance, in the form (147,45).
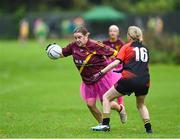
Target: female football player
(135,78)
(90,57)
(114,41)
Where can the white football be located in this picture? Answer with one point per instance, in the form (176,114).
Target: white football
(54,51)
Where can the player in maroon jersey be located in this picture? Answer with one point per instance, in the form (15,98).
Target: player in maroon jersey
(90,57)
(114,41)
(135,78)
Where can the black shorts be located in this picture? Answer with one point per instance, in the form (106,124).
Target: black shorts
(138,85)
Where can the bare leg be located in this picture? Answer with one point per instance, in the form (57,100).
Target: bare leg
(144,112)
(142,107)
(115,106)
(91,104)
(108,97)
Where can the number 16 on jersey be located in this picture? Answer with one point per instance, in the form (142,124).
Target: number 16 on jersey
(141,54)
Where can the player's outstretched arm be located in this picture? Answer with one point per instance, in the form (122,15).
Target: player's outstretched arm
(110,66)
(98,75)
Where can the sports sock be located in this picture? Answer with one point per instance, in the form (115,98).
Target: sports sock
(106,118)
(146,121)
(120,100)
(147,126)
(121,108)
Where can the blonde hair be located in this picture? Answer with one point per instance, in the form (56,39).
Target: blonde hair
(135,33)
(114,27)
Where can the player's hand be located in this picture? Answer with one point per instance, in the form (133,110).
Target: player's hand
(97,76)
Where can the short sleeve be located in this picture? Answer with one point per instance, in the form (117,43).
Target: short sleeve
(105,42)
(121,54)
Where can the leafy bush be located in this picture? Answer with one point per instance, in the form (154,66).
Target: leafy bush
(164,48)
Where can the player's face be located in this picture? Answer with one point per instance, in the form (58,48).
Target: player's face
(80,39)
(113,33)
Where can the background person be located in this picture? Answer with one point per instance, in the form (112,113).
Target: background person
(40,30)
(24,30)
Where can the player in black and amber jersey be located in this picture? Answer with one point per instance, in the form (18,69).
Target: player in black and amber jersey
(135,78)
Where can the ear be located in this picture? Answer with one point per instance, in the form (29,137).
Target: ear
(87,34)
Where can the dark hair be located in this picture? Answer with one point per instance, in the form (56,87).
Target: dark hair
(82,30)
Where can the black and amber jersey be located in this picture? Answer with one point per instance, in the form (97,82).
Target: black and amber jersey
(135,58)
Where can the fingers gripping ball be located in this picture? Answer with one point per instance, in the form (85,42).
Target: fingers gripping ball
(54,51)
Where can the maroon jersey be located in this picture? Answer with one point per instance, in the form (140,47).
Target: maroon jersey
(92,58)
(114,44)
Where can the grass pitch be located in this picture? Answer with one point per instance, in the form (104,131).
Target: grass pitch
(40,97)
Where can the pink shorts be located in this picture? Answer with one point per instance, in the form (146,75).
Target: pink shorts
(98,89)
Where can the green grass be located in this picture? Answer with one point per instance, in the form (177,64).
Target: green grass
(40,97)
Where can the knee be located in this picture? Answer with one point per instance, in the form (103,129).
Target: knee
(91,105)
(139,105)
(105,97)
